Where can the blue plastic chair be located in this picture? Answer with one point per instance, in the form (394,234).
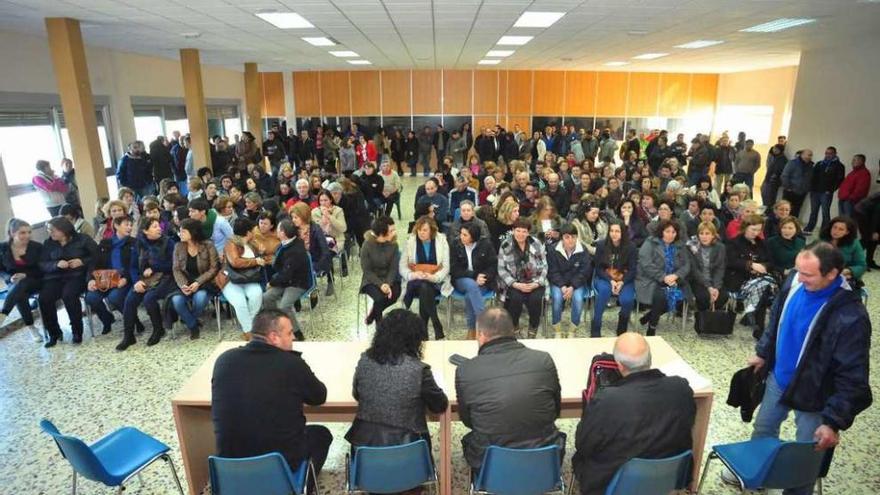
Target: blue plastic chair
(488,295)
(114,459)
(520,471)
(267,474)
(391,469)
(651,476)
(765,463)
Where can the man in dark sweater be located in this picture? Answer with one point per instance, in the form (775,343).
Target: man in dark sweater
(258,394)
(645,414)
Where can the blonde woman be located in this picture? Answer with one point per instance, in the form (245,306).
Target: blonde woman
(708,262)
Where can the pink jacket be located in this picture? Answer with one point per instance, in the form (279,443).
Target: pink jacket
(52,189)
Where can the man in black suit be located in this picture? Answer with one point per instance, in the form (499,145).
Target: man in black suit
(258,394)
(489,147)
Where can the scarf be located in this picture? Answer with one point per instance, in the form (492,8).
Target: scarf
(208,224)
(673,294)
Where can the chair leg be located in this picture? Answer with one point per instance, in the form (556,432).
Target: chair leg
(819,481)
(89,320)
(167,459)
(74,482)
(705,470)
(217,312)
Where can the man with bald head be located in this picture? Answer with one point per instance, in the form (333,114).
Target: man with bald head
(645,414)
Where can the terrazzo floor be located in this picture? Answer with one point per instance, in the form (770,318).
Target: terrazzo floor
(90,390)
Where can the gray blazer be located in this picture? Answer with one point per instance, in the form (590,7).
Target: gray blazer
(651,272)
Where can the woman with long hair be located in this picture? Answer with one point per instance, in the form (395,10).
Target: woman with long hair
(635,228)
(20,265)
(616,268)
(424,266)
(664,266)
(196,263)
(843,233)
(331,219)
(590,226)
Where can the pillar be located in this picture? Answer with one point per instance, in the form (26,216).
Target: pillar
(72,74)
(196,113)
(253,95)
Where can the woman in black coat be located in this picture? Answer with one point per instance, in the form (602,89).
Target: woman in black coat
(411,152)
(19,264)
(474,275)
(65,261)
(750,272)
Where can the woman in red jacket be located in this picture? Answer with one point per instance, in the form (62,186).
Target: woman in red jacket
(366,151)
(855,186)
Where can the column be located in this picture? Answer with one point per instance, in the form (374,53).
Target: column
(196,113)
(72,74)
(253,94)
(289,104)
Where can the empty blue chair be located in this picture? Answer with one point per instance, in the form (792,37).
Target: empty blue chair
(267,474)
(391,469)
(765,463)
(651,476)
(520,471)
(114,459)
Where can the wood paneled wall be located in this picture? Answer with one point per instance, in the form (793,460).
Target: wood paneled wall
(273,94)
(498,96)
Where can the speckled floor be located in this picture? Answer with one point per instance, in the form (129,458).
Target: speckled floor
(91,389)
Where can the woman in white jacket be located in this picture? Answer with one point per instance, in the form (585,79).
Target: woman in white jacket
(424,265)
(331,219)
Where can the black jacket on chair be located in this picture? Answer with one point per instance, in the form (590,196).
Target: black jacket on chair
(484,259)
(291,266)
(740,254)
(258,392)
(645,414)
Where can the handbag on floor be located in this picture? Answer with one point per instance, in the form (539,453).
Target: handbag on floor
(714,322)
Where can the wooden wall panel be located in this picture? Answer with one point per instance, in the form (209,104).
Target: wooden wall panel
(482,121)
(366,99)
(580,93)
(704,91)
(548,92)
(335,93)
(519,92)
(643,93)
(273,94)
(457,92)
(524,121)
(503,96)
(486,92)
(612,94)
(426,92)
(674,95)
(306,94)
(396,92)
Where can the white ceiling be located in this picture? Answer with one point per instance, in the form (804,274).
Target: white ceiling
(457,33)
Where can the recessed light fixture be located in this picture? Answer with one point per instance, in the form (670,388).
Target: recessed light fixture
(285,20)
(699,44)
(359,62)
(538,19)
(489,61)
(616,63)
(319,41)
(191,35)
(499,53)
(649,56)
(777,25)
(514,40)
(344,53)
(637,32)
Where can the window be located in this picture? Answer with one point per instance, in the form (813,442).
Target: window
(754,120)
(30,207)
(613,123)
(25,137)
(539,123)
(403,123)
(585,123)
(175,119)
(103,139)
(148,124)
(454,122)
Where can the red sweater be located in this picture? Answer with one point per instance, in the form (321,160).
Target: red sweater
(855,186)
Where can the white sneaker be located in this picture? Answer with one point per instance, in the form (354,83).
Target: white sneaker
(37,334)
(728,477)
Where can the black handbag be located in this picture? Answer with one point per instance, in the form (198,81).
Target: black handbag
(714,322)
(253,275)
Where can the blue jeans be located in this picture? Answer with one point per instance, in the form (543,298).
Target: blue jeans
(246,299)
(771,415)
(190,316)
(148,190)
(817,200)
(183,187)
(845,207)
(694,176)
(747,179)
(425,158)
(577,304)
(473,299)
(626,298)
(116,298)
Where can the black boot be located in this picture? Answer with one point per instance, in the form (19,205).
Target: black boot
(196,332)
(77,338)
(108,325)
(298,335)
(138,327)
(622,325)
(652,330)
(156,336)
(127,341)
(53,340)
(438,330)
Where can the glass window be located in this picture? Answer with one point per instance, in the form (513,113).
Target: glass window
(26,137)
(585,123)
(403,123)
(689,127)
(754,120)
(180,125)
(539,123)
(454,122)
(613,123)
(368,126)
(30,207)
(103,141)
(420,121)
(148,127)
(232,128)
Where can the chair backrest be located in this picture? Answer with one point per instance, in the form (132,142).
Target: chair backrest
(267,474)
(80,456)
(651,476)
(391,469)
(794,464)
(520,471)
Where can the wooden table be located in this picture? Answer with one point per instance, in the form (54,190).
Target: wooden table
(334,363)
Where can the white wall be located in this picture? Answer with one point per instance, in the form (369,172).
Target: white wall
(836,101)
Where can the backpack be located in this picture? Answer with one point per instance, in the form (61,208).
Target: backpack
(603,373)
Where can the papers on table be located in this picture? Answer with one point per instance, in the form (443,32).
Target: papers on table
(680,368)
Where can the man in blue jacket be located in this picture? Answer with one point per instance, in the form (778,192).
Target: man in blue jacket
(816,350)
(135,172)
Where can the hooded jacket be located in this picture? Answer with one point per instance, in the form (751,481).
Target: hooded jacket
(569,271)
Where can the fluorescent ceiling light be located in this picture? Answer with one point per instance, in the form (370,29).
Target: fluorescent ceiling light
(616,64)
(359,62)
(285,20)
(319,41)
(777,25)
(344,53)
(499,53)
(649,56)
(492,61)
(514,40)
(538,19)
(699,44)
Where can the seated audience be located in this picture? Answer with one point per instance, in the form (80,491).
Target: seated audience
(522,275)
(111,210)
(842,232)
(258,392)
(474,270)
(636,231)
(20,267)
(616,268)
(253,205)
(751,273)
(589,225)
(467,216)
(616,427)
(708,260)
(349,197)
(380,263)
(391,185)
(393,387)
(461,192)
(291,278)
(747,208)
(508,395)
(546,222)
(569,272)
(438,202)
(74,213)
(781,209)
(424,265)
(196,263)
(500,219)
(115,254)
(315,241)
(267,234)
(331,219)
(244,273)
(664,266)
(785,244)
(214,227)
